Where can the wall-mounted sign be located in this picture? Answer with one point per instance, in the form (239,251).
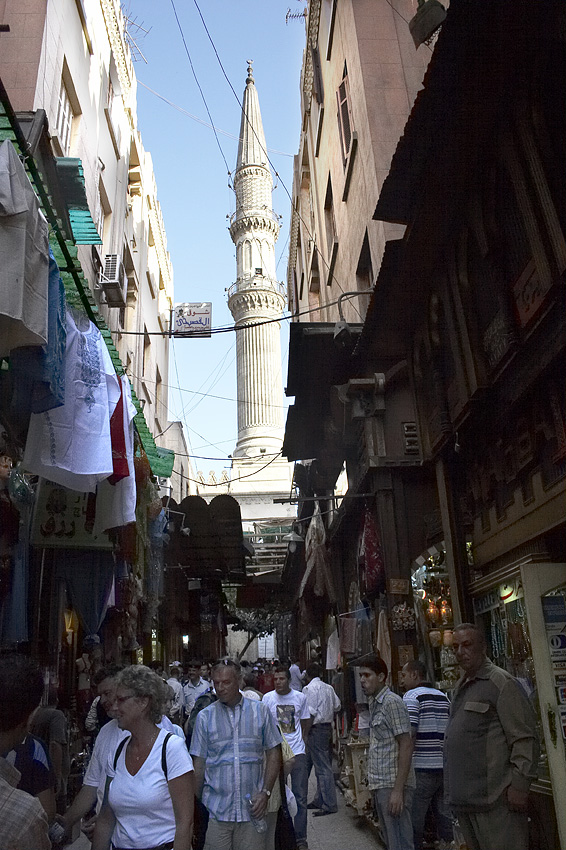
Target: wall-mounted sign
(562,716)
(399,586)
(192,319)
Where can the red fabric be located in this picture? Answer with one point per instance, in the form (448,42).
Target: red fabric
(118,441)
(371,557)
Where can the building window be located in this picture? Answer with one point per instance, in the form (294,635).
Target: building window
(158,393)
(364,269)
(344,116)
(64,122)
(330,225)
(146,352)
(318,87)
(331,21)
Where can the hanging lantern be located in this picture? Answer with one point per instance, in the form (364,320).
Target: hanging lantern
(432,611)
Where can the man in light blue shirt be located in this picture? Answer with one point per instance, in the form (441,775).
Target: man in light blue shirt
(232,739)
(194,686)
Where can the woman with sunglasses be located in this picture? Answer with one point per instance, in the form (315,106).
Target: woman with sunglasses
(148,802)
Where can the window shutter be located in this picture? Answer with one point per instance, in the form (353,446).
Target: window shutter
(344,122)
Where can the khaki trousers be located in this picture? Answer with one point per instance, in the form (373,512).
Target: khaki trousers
(497,829)
(229,835)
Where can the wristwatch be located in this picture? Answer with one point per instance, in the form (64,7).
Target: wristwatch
(265,791)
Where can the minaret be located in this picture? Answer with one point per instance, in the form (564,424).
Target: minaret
(256,296)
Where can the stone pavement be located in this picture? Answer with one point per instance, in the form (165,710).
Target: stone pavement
(343,831)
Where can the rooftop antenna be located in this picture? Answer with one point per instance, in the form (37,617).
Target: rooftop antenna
(133,35)
(294,16)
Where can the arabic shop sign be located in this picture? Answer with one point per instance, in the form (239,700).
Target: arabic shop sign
(192,319)
(64,519)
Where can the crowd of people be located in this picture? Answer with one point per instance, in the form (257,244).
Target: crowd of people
(218,756)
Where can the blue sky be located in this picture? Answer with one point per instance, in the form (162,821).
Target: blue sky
(192,181)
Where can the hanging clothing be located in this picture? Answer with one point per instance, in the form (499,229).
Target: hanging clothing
(24,248)
(116,497)
(38,372)
(383,644)
(71,445)
(88,575)
(370,556)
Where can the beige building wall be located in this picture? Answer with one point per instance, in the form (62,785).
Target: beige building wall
(70,58)
(364,51)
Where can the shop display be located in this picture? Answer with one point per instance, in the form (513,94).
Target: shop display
(433,609)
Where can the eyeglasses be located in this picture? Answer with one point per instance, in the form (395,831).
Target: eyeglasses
(121,700)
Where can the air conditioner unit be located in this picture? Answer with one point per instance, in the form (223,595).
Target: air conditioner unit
(114,281)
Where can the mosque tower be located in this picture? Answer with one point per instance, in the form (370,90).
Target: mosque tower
(255,300)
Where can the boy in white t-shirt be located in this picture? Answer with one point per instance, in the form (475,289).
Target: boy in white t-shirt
(290,710)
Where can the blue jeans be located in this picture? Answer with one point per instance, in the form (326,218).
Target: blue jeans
(398,830)
(430,792)
(299,784)
(318,755)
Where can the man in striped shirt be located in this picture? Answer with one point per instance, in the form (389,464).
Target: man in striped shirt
(232,740)
(429,710)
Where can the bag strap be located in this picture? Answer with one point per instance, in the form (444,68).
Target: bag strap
(121,746)
(164,753)
(123,743)
(282,787)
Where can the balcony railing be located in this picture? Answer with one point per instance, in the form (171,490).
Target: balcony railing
(249,213)
(258,281)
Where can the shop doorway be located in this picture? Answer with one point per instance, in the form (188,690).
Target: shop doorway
(544,587)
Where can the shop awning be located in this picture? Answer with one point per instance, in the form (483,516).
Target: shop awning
(72,181)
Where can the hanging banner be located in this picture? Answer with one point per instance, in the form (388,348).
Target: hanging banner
(64,519)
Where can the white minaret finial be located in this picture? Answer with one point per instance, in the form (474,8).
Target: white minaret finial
(256,296)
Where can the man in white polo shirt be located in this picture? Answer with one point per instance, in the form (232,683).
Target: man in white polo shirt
(323,704)
(290,710)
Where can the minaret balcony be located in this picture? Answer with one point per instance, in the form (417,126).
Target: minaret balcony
(261,218)
(257,282)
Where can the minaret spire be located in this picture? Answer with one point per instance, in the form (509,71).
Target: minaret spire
(252,149)
(256,297)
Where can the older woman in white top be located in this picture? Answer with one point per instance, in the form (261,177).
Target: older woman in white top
(149,795)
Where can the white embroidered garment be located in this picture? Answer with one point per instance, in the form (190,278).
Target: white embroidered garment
(116,503)
(24,248)
(71,444)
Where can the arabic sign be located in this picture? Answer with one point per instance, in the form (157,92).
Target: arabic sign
(192,319)
(65,519)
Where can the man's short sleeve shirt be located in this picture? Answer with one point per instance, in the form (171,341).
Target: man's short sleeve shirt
(389,718)
(288,710)
(23,822)
(233,742)
(429,710)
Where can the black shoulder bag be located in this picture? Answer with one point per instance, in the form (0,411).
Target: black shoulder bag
(284,831)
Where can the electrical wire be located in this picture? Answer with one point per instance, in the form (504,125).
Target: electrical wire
(267,155)
(201,121)
(233,328)
(204,394)
(199,87)
(240,478)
